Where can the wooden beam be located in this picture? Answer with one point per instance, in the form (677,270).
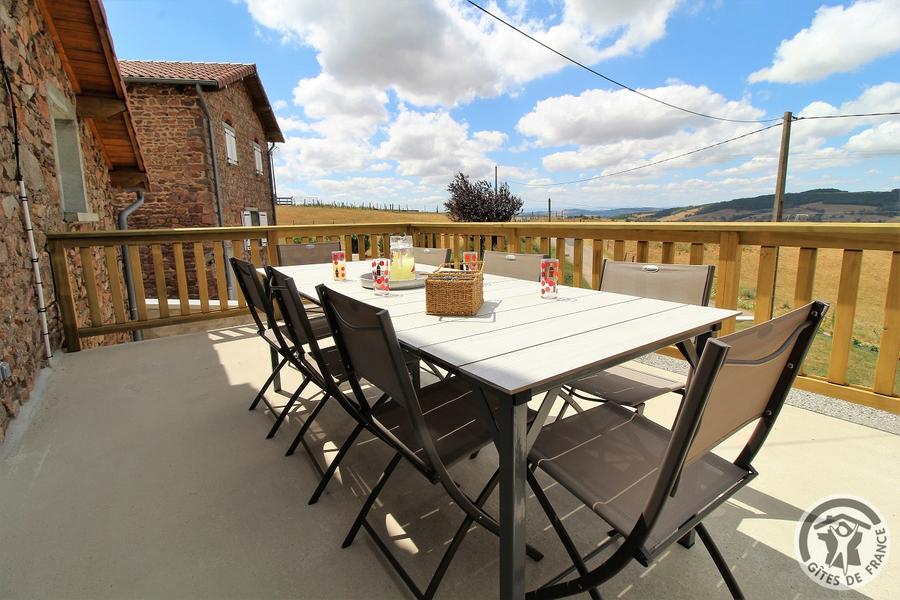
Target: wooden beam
(88,106)
(128,178)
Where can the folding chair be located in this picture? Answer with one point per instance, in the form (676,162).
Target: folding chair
(622,384)
(655,486)
(282,352)
(325,370)
(431,429)
(431,256)
(518,266)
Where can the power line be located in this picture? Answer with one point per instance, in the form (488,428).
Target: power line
(613,81)
(878,114)
(650,164)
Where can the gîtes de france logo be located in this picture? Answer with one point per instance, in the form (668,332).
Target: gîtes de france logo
(842,542)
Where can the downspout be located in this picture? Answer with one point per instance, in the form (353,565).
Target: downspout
(272,179)
(217,190)
(122,224)
(26,217)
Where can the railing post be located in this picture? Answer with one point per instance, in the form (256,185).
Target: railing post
(729,275)
(64,296)
(889,346)
(272,247)
(765,283)
(844,313)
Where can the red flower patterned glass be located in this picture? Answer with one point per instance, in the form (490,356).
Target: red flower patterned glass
(381,270)
(339,265)
(549,278)
(470,261)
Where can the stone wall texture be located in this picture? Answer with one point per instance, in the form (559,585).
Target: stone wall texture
(172,131)
(34,66)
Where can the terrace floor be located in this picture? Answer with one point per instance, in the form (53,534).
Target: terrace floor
(140,474)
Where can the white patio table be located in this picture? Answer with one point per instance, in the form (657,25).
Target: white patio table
(518,346)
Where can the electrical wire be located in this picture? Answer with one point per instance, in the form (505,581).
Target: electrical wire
(613,81)
(650,164)
(878,114)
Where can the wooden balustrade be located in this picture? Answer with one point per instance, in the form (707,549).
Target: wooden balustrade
(189,266)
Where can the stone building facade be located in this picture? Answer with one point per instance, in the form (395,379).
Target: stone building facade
(49,94)
(167,100)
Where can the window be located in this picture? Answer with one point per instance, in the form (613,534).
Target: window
(230,145)
(251,217)
(257,158)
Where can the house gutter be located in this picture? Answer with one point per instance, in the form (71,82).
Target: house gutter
(217,190)
(122,224)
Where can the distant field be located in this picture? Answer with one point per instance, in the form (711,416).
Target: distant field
(320,215)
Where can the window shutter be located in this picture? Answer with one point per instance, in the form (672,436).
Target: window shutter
(246,221)
(263,222)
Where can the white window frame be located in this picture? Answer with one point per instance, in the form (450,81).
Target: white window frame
(231,154)
(79,208)
(257,158)
(262,220)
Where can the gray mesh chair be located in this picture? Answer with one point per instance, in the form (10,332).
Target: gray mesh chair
(259,302)
(655,486)
(306,254)
(517,266)
(431,256)
(686,284)
(431,429)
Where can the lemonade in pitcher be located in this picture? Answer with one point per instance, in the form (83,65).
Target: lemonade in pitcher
(403,263)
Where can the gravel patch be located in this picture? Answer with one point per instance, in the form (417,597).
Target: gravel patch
(833,407)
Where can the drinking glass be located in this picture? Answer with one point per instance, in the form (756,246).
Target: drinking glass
(549,278)
(470,261)
(339,265)
(381,270)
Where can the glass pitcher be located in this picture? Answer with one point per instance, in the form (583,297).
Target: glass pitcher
(403,263)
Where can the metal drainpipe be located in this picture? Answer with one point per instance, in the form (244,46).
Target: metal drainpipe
(272,180)
(217,190)
(122,224)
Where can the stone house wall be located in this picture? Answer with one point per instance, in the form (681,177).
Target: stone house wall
(172,131)
(34,66)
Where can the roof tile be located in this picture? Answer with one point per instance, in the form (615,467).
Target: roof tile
(221,73)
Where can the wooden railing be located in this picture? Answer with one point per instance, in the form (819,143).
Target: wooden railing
(762,268)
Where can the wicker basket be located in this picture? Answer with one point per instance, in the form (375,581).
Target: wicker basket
(453,293)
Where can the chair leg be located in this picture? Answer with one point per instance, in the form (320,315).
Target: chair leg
(323,483)
(287,408)
(460,535)
(262,392)
(373,495)
(717,557)
(561,532)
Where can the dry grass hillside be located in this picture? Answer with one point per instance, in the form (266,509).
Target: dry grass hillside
(320,215)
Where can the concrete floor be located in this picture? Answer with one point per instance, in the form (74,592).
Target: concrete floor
(140,474)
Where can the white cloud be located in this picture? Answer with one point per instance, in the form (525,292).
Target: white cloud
(840,39)
(288,124)
(882,139)
(279,104)
(445,52)
(434,146)
(341,110)
(603,116)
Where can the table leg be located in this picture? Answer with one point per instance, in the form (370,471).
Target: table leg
(513,430)
(276,383)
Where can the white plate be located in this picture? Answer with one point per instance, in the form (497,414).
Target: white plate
(407,284)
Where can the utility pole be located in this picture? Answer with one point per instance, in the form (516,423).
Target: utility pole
(782,166)
(549,211)
(495,180)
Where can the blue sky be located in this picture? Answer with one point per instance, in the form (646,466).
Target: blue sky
(384,101)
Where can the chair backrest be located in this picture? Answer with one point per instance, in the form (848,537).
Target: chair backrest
(740,378)
(687,284)
(518,266)
(306,254)
(297,325)
(431,256)
(754,382)
(255,292)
